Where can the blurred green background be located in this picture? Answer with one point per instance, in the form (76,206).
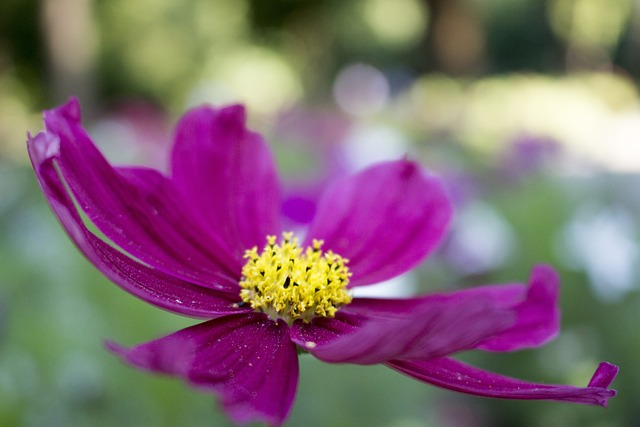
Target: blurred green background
(529,109)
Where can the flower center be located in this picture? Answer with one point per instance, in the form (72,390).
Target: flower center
(287,283)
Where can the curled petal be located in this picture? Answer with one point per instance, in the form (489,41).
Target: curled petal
(138,209)
(431,327)
(149,284)
(229,175)
(246,360)
(385,220)
(496,318)
(538,314)
(457,376)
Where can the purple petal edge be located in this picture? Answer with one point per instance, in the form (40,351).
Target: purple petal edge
(492,318)
(457,376)
(136,208)
(229,175)
(604,375)
(538,314)
(436,326)
(148,284)
(385,219)
(246,360)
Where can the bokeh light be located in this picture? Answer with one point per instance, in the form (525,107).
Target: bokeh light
(361,90)
(590,23)
(397,22)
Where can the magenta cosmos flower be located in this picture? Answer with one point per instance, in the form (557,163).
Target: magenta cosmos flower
(206,242)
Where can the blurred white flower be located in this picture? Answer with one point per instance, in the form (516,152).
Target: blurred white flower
(404,285)
(361,90)
(481,239)
(602,242)
(369,144)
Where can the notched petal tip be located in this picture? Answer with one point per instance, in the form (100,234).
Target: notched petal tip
(231,115)
(69,112)
(235,113)
(544,283)
(408,168)
(537,314)
(43,147)
(601,380)
(604,375)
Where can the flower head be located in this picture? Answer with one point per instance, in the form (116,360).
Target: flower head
(287,284)
(205,242)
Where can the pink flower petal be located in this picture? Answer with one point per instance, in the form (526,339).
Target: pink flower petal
(497,318)
(136,208)
(434,326)
(538,314)
(385,220)
(457,376)
(246,360)
(228,173)
(323,330)
(149,284)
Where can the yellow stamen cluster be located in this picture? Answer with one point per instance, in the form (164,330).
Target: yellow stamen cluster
(287,283)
